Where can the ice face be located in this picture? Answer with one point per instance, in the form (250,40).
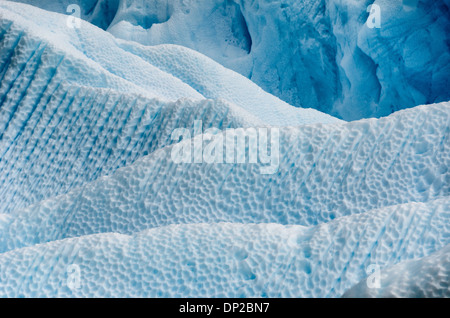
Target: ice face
(92,202)
(98,12)
(325,172)
(319,54)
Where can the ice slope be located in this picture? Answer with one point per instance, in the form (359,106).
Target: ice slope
(231,260)
(325,172)
(98,12)
(318,54)
(39,41)
(215,81)
(55,136)
(85,139)
(75,135)
(423,278)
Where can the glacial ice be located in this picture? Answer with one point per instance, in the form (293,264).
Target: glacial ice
(77,56)
(92,204)
(43,108)
(310,53)
(230,260)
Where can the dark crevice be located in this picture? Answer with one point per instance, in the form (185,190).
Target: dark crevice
(239,27)
(103,13)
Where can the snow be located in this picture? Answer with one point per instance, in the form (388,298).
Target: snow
(92,203)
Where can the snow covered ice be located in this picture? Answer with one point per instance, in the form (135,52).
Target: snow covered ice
(88,182)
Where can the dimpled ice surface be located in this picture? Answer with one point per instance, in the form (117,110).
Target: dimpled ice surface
(93,203)
(309,53)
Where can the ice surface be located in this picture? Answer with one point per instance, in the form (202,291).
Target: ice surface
(92,203)
(76,135)
(230,260)
(55,135)
(38,41)
(310,53)
(426,277)
(325,172)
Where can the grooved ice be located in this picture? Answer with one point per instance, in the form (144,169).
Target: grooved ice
(89,191)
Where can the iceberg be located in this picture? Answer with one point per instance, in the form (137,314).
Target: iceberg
(233,260)
(425,277)
(94,116)
(320,54)
(110,118)
(325,172)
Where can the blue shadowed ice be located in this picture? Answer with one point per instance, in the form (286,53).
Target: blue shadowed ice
(309,53)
